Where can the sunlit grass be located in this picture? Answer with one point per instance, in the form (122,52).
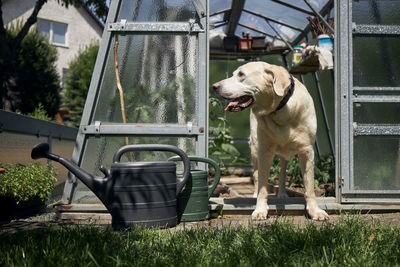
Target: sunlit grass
(351,242)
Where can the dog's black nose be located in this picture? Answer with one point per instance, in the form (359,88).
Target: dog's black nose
(216,86)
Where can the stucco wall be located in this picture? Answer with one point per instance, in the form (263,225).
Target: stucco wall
(82,28)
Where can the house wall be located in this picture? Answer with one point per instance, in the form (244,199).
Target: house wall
(82,27)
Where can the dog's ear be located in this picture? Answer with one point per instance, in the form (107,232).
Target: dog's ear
(281,79)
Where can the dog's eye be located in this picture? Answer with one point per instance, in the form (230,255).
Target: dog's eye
(241,74)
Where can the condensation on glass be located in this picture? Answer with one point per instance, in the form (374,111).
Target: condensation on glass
(158,77)
(376,163)
(376,113)
(376,12)
(376,61)
(157,10)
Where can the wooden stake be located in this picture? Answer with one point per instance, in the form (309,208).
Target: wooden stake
(119,86)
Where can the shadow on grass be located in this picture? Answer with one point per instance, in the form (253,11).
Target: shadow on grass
(350,241)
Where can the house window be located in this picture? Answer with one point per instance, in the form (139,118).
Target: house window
(64,77)
(56,32)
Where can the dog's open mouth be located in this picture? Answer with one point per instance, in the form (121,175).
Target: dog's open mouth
(240,103)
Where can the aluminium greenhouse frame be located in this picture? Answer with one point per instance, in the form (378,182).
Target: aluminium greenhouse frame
(198,130)
(346,94)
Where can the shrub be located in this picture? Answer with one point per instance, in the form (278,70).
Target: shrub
(23,182)
(40,113)
(78,81)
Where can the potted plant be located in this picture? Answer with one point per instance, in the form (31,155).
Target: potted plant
(24,188)
(244,42)
(322,32)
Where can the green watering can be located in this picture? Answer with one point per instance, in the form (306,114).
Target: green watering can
(193,199)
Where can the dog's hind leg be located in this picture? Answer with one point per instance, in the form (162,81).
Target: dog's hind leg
(306,159)
(282,179)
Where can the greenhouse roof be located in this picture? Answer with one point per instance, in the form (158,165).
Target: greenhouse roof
(283,22)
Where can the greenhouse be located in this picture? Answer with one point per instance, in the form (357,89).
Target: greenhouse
(152,84)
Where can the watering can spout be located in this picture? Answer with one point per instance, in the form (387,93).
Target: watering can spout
(96,184)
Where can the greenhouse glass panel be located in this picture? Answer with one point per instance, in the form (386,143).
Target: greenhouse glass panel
(376,163)
(217,20)
(376,61)
(153,57)
(218,5)
(157,10)
(253,22)
(158,76)
(327,95)
(240,30)
(376,12)
(286,32)
(376,113)
(282,13)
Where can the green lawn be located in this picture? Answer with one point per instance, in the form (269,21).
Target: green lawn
(351,242)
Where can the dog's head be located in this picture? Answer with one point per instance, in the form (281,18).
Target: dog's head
(256,84)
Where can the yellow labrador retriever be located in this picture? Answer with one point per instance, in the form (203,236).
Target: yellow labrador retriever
(282,122)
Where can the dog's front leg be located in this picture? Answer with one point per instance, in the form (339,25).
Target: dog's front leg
(254,159)
(307,167)
(265,157)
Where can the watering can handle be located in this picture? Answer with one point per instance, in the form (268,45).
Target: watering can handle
(217,176)
(169,148)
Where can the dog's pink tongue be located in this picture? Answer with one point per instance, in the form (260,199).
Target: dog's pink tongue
(231,104)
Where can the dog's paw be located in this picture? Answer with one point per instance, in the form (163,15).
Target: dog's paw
(259,215)
(317,214)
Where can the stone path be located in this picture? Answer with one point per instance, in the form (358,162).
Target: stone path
(49,219)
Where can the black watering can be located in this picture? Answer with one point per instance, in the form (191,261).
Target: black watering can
(135,193)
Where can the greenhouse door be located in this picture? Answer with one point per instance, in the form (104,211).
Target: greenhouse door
(368,100)
(150,85)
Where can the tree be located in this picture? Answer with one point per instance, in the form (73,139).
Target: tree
(10,49)
(78,81)
(38,82)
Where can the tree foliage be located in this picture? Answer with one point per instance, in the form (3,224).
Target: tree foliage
(99,7)
(78,81)
(38,82)
(11,48)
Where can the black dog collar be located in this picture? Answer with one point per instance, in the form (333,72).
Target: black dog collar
(288,94)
